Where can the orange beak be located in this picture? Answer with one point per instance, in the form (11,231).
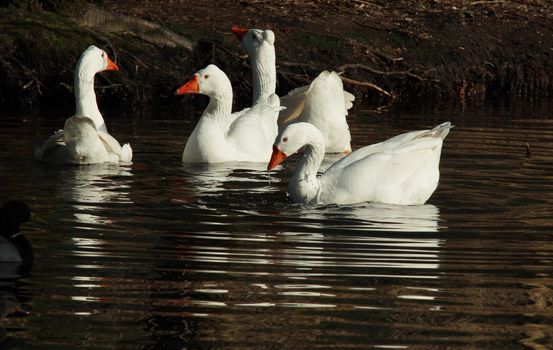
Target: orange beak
(111,65)
(191,87)
(240,32)
(276,158)
(20,310)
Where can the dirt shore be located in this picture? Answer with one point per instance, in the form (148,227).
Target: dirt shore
(391,53)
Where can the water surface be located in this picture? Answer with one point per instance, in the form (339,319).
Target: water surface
(161,255)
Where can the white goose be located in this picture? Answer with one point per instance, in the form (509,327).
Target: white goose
(84,138)
(323,103)
(401,170)
(222,136)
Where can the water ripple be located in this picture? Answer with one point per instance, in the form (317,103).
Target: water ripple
(161,255)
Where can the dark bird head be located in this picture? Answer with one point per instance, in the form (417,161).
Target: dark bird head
(13,214)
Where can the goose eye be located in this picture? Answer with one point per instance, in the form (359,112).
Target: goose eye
(103,54)
(285,139)
(206,76)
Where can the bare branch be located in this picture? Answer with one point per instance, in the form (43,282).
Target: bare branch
(378,72)
(367,84)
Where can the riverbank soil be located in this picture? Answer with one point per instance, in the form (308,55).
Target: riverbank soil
(391,53)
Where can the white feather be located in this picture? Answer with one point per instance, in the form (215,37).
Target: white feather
(84,138)
(401,170)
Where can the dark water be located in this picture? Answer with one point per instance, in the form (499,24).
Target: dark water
(160,256)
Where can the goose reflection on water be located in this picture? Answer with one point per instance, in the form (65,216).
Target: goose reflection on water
(364,236)
(377,217)
(307,257)
(243,195)
(211,179)
(340,238)
(89,191)
(239,222)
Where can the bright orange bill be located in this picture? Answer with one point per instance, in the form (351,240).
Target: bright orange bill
(191,87)
(240,32)
(111,65)
(276,158)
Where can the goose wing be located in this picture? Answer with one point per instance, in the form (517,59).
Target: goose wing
(395,143)
(50,145)
(110,142)
(294,102)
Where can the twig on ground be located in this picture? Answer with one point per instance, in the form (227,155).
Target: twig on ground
(345,67)
(136,59)
(234,55)
(387,57)
(367,84)
(492,2)
(30,73)
(106,87)
(297,64)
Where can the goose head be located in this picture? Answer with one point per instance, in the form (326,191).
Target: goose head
(94,60)
(291,140)
(210,81)
(261,49)
(255,40)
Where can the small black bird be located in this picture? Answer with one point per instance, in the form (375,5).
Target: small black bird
(14,246)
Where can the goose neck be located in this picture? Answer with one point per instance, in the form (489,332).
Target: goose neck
(305,177)
(263,73)
(85,97)
(220,104)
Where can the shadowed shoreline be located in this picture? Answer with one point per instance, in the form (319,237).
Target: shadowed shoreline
(391,54)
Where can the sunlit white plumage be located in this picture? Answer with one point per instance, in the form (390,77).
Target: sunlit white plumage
(222,136)
(323,103)
(401,170)
(84,138)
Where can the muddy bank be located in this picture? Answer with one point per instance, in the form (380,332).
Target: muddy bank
(395,54)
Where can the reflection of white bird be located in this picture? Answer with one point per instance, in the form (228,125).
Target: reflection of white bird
(84,138)
(377,217)
(218,178)
(323,103)
(88,192)
(87,189)
(401,170)
(222,136)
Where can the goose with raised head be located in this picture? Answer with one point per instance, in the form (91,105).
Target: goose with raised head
(84,138)
(223,136)
(401,170)
(323,103)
